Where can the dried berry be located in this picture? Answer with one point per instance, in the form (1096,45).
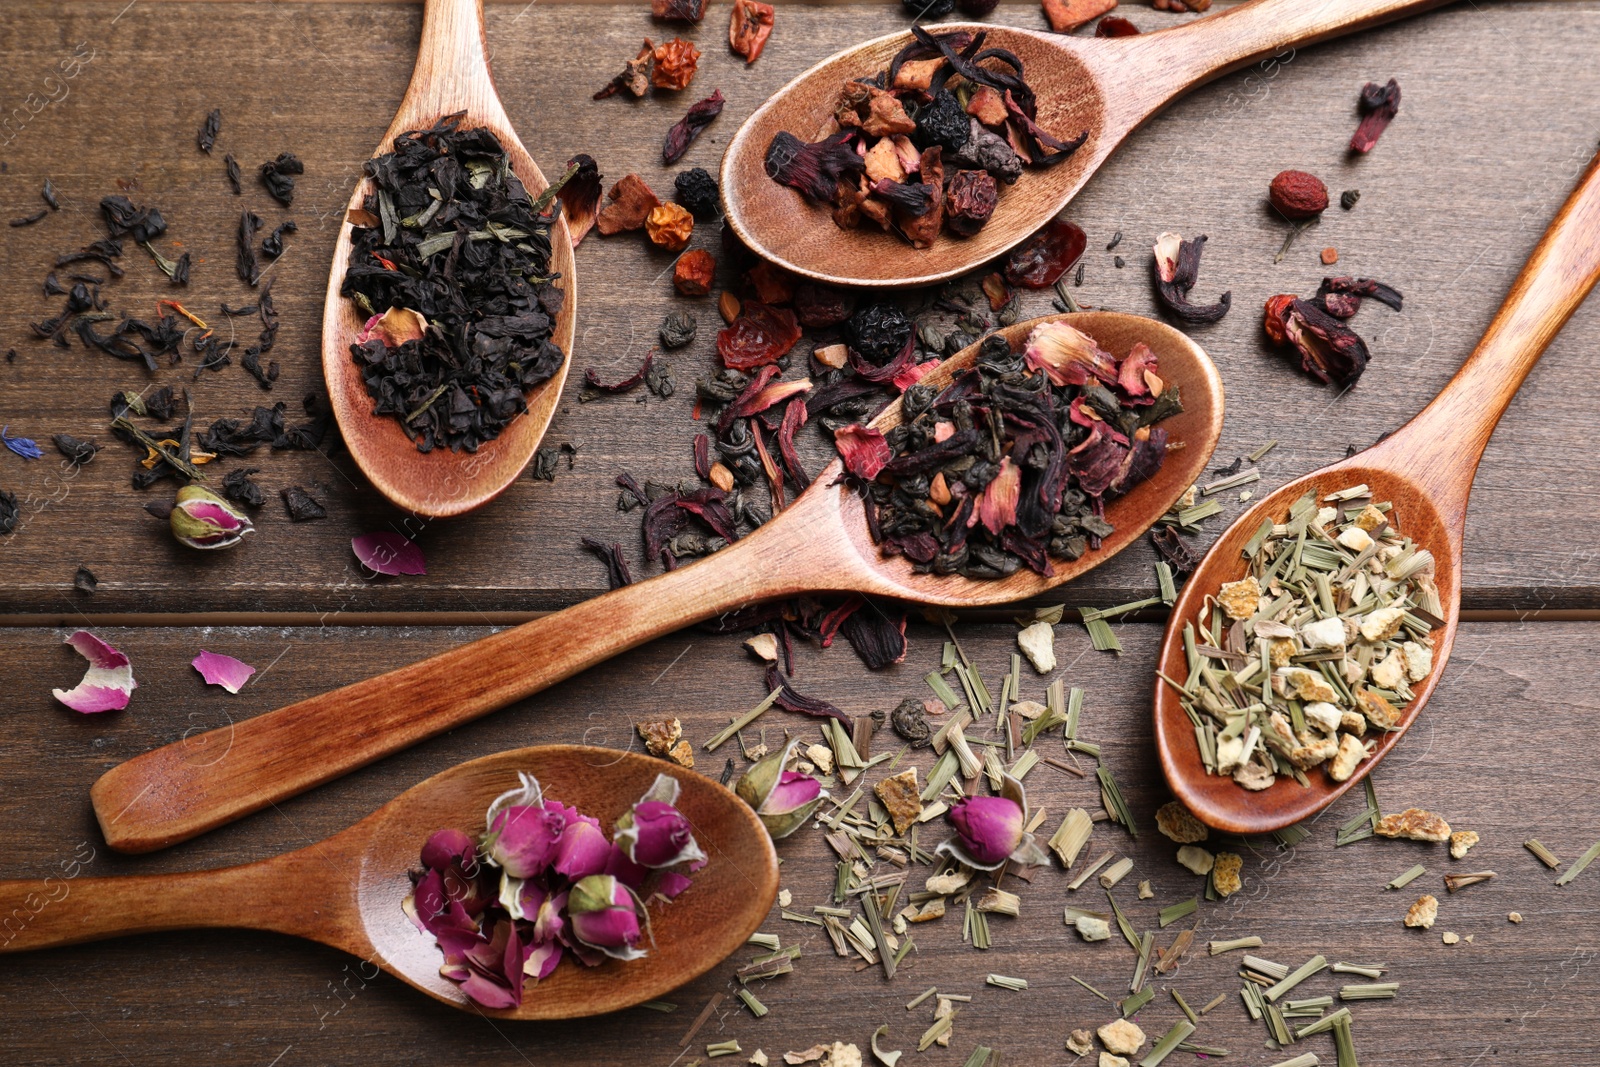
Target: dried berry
(686,129)
(761,334)
(678,10)
(669,226)
(988,151)
(943,122)
(879,333)
(819,306)
(676,62)
(693,273)
(1047,255)
(970,199)
(1379,105)
(1275,321)
(697,191)
(631,203)
(1177,266)
(749,27)
(1297,195)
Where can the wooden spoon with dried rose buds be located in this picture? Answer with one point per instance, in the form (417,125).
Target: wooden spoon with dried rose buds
(347,891)
(1103,87)
(1425,470)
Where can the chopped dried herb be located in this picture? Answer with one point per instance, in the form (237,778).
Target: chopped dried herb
(301,506)
(1177,266)
(272,246)
(207,138)
(248,266)
(1379,104)
(616,564)
(683,132)
(29,220)
(278,176)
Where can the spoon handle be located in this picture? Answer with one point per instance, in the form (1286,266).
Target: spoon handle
(1172,61)
(277,894)
(452,70)
(188,787)
(1441,446)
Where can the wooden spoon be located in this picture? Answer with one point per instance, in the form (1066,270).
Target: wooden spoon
(1425,469)
(347,891)
(1106,86)
(818,544)
(451,75)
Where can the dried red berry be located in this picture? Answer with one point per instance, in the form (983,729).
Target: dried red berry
(761,334)
(1067,15)
(1276,318)
(1379,105)
(749,28)
(693,273)
(676,62)
(1298,195)
(970,199)
(1046,256)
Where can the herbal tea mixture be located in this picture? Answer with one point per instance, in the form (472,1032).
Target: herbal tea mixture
(1324,637)
(925,144)
(450,262)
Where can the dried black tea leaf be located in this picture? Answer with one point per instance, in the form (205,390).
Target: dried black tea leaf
(207,138)
(459,290)
(9,512)
(272,246)
(125,219)
(77,452)
(301,506)
(29,220)
(237,487)
(677,329)
(248,266)
(85,581)
(278,176)
(49,194)
(235,176)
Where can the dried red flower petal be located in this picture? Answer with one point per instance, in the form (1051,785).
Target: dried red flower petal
(1046,256)
(581,196)
(749,28)
(770,284)
(1116,26)
(686,129)
(1329,350)
(997,508)
(758,336)
(1136,370)
(678,10)
(1275,320)
(1379,105)
(970,199)
(676,62)
(789,700)
(1177,266)
(863,450)
(816,168)
(794,417)
(631,203)
(1384,294)
(879,639)
(592,379)
(693,273)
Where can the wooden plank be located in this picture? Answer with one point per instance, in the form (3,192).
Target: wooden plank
(1453,199)
(247,998)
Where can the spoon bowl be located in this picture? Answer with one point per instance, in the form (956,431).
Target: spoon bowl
(451,75)
(819,544)
(1425,470)
(347,891)
(1104,87)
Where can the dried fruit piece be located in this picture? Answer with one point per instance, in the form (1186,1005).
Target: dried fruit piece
(1240,599)
(749,27)
(1038,642)
(1422,914)
(1296,194)
(631,203)
(676,62)
(970,199)
(678,10)
(759,335)
(1121,1037)
(1047,255)
(1461,841)
(1225,876)
(1414,824)
(1196,860)
(659,734)
(635,76)
(1379,105)
(669,226)
(1351,753)
(693,273)
(1175,821)
(901,798)
(1067,15)
(1330,256)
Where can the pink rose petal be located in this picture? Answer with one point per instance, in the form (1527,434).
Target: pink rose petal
(672,883)
(863,450)
(108,682)
(225,671)
(388,553)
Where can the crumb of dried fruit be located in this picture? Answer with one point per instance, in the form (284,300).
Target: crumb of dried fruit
(822,756)
(1451,938)
(1414,824)
(1038,642)
(988,106)
(1108,1060)
(721,477)
(1351,753)
(1081,1042)
(631,203)
(682,754)
(1423,912)
(1240,599)
(676,62)
(1091,929)
(1461,841)
(1067,15)
(659,734)
(693,273)
(758,1059)
(1298,195)
(833,356)
(762,646)
(669,226)
(1121,1036)
(1378,711)
(1175,820)
(728,306)
(697,190)
(1330,256)
(1226,875)
(1515,917)
(1303,684)
(1196,860)
(1145,892)
(901,798)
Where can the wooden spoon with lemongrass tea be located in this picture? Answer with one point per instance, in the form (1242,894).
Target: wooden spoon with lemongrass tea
(451,77)
(819,544)
(1102,87)
(1425,471)
(347,891)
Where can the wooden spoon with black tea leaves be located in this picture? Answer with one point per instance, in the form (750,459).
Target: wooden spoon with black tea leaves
(1425,470)
(1106,87)
(451,75)
(819,544)
(347,891)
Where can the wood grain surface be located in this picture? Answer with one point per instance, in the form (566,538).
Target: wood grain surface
(1514,994)
(1487,145)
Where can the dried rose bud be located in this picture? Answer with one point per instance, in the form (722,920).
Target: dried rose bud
(1298,195)
(655,833)
(693,273)
(522,839)
(201,519)
(605,915)
(583,850)
(989,830)
(449,848)
(676,62)
(669,226)
(784,800)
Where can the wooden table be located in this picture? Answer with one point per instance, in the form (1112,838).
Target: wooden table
(1496,123)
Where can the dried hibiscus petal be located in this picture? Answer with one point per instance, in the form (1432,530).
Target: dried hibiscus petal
(749,28)
(863,450)
(1046,256)
(632,381)
(879,639)
(1384,294)
(678,10)
(789,700)
(915,199)
(761,334)
(815,169)
(1379,105)
(580,196)
(676,62)
(1177,266)
(686,129)
(1329,350)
